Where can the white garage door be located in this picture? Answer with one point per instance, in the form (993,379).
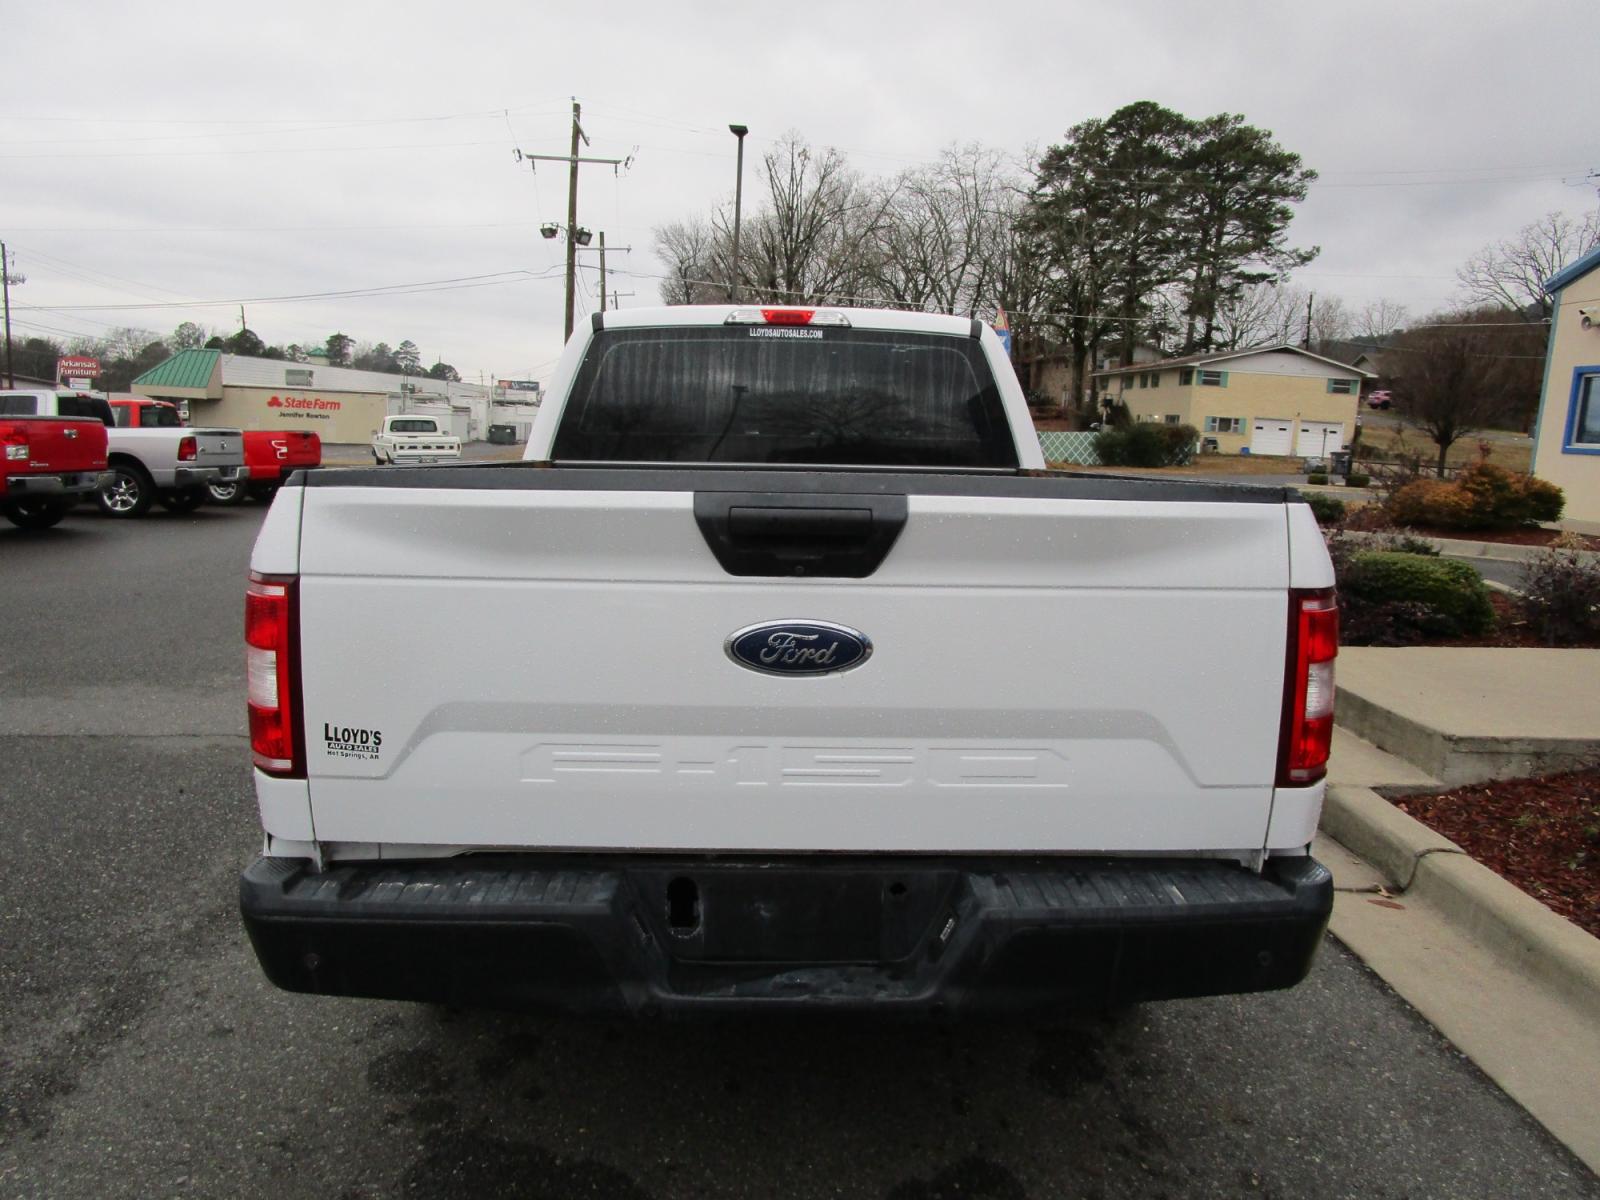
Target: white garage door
(1320,438)
(1271,435)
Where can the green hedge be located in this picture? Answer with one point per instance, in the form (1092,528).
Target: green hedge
(1147,444)
(1328,510)
(1452,593)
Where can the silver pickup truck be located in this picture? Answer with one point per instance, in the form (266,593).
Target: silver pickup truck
(786,679)
(172,465)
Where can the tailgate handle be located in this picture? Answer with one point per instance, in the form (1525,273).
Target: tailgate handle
(826,524)
(817,535)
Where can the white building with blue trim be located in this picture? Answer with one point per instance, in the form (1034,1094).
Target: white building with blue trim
(1566,440)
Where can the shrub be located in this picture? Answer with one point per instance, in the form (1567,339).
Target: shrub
(1430,502)
(1328,510)
(1146,444)
(1483,496)
(1449,598)
(1356,480)
(1317,477)
(1561,595)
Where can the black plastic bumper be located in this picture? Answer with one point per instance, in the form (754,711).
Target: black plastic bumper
(943,937)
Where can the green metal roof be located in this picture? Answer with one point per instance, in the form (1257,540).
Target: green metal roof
(185,369)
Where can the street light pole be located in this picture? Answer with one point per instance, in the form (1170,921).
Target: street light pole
(738,131)
(5,286)
(572,220)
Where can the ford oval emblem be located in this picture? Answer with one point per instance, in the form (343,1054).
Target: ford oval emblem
(798,647)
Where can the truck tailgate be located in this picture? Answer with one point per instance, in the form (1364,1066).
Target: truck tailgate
(543,664)
(56,445)
(218,448)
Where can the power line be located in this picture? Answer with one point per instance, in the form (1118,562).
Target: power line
(121,229)
(226,152)
(491,279)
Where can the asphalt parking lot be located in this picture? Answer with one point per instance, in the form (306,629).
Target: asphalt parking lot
(142,1054)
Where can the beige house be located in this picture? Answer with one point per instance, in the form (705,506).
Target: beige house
(1566,438)
(340,404)
(1269,400)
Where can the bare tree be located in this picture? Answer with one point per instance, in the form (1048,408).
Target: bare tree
(1511,273)
(694,261)
(945,232)
(813,240)
(1327,320)
(1380,318)
(1457,372)
(1263,314)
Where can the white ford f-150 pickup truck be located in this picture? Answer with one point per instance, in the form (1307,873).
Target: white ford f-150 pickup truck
(783,678)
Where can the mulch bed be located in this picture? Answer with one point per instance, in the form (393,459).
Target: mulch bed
(1542,834)
(1510,631)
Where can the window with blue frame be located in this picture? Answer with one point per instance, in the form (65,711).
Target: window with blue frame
(1583,418)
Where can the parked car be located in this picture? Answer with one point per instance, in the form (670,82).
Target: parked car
(810,693)
(170,464)
(1380,399)
(269,455)
(50,463)
(409,438)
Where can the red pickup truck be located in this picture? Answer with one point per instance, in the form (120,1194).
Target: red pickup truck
(50,463)
(269,455)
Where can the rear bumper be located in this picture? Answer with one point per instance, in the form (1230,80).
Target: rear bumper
(197,476)
(64,483)
(675,937)
(276,472)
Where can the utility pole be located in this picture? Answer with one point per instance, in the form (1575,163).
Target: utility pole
(602,247)
(5,287)
(1310,299)
(573,159)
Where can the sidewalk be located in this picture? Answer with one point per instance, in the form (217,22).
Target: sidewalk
(1515,986)
(1464,715)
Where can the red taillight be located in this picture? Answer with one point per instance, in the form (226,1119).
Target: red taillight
(1308,687)
(16,444)
(271,658)
(187,450)
(788,316)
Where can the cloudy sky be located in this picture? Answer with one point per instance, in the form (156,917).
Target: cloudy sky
(217,153)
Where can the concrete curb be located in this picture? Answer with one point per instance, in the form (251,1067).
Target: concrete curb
(1489,551)
(1528,937)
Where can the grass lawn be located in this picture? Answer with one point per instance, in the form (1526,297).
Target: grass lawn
(1512,451)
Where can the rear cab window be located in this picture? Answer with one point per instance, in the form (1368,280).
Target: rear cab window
(415,425)
(19,406)
(785,396)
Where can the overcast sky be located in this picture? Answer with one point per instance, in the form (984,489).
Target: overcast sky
(213,152)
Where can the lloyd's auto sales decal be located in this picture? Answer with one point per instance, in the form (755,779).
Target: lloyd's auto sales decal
(313,408)
(344,741)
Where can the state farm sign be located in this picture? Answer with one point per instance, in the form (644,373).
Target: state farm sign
(76,366)
(312,407)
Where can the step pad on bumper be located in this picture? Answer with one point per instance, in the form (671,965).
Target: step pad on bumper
(677,936)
